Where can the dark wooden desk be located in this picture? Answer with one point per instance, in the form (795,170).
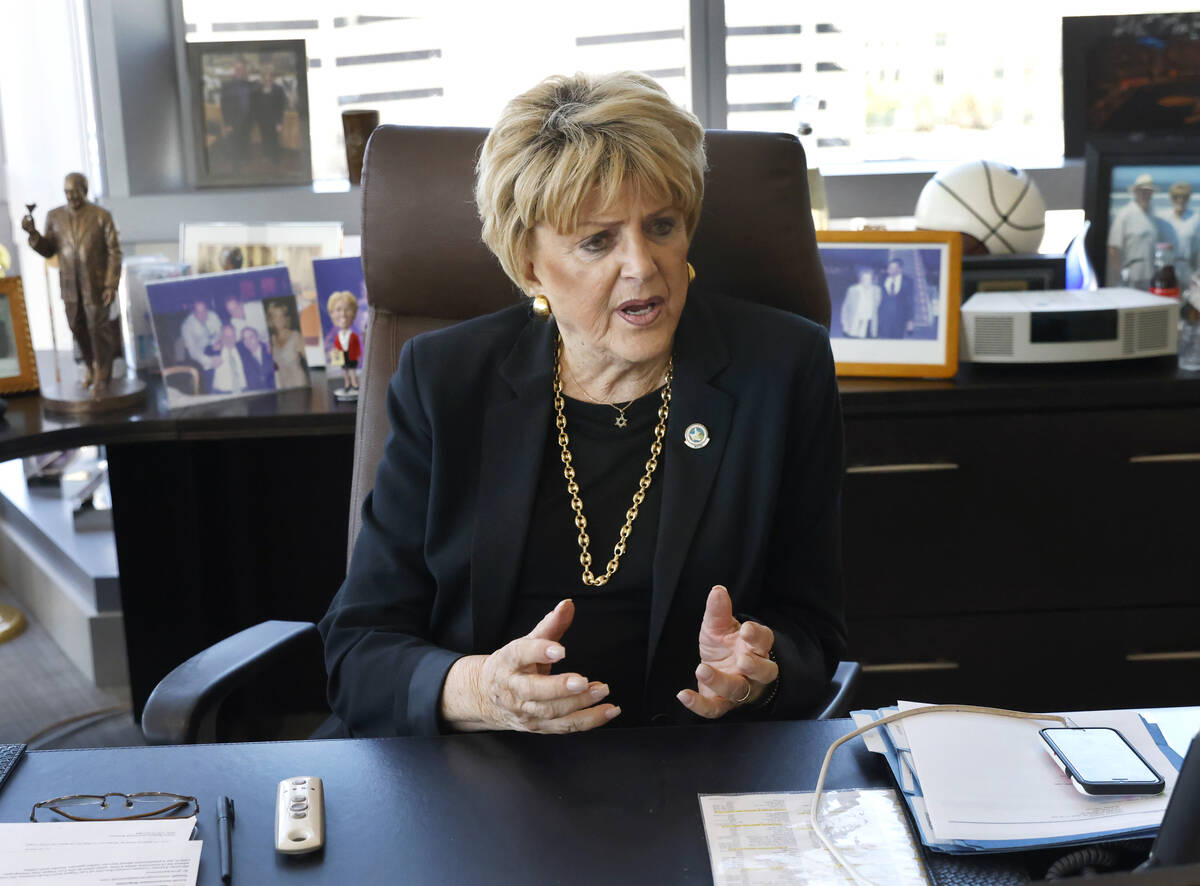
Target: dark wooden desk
(605,807)
(1002,527)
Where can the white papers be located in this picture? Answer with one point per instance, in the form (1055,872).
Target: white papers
(989,778)
(766,839)
(153,852)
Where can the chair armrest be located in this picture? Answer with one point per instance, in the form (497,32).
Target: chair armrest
(841,691)
(183,706)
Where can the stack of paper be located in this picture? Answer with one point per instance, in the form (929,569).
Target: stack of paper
(981,783)
(150,851)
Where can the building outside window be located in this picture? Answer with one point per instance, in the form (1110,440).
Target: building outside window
(936,83)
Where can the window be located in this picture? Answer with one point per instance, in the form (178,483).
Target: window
(439,63)
(942,85)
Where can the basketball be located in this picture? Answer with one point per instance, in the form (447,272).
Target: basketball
(996,205)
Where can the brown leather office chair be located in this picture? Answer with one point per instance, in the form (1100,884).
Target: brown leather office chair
(426,267)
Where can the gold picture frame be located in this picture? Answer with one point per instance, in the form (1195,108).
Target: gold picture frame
(18,366)
(890,321)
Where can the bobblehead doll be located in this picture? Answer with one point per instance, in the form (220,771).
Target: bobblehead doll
(347,348)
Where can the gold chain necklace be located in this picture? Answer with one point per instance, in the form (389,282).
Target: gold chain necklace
(660,430)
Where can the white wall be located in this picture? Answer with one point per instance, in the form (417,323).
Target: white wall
(45,132)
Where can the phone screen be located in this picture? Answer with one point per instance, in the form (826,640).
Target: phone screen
(1100,755)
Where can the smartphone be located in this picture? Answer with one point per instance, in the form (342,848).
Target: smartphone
(1100,761)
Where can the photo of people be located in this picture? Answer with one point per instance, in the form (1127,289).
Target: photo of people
(883,292)
(212,257)
(1149,206)
(894,297)
(227,334)
(287,344)
(224,246)
(342,300)
(251,112)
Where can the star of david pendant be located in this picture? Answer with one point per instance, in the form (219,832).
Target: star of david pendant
(620,421)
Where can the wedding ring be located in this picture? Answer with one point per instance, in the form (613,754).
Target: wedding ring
(743,699)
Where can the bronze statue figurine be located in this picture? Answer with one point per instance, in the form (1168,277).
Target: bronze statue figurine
(84,238)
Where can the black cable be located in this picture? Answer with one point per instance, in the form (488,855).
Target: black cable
(1089,860)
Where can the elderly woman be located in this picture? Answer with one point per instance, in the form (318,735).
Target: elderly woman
(697,439)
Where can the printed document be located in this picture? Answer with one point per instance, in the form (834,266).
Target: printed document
(152,852)
(767,839)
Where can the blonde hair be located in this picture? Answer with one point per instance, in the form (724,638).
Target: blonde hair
(571,136)
(344,295)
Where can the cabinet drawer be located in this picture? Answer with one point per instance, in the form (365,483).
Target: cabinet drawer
(1037,511)
(1050,661)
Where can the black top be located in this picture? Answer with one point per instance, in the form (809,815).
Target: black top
(436,569)
(608,463)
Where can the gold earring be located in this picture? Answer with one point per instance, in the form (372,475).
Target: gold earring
(691,272)
(541,307)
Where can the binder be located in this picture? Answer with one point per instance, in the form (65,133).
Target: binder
(1010,760)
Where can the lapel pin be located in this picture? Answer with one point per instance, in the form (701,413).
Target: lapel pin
(696,436)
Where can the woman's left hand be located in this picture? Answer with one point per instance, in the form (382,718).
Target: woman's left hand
(734,668)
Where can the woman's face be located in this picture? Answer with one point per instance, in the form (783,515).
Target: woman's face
(617,284)
(866,278)
(342,314)
(277,318)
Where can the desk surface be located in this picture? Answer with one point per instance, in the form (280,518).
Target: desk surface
(26,428)
(604,807)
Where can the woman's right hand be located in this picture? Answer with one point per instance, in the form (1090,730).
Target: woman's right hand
(513,688)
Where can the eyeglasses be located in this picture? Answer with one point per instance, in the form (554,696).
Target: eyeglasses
(130,807)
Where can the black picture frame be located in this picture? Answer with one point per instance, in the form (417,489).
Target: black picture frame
(1088,47)
(1012,273)
(246,135)
(1102,158)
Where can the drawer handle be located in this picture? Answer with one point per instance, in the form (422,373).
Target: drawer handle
(1190,655)
(1164,459)
(914,468)
(909,667)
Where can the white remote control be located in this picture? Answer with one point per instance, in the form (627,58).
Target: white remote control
(299,815)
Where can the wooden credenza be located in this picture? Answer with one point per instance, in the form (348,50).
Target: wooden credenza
(1026,538)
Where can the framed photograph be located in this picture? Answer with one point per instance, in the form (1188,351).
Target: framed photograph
(227,334)
(1138,195)
(342,277)
(1012,273)
(250,113)
(231,246)
(1129,75)
(18,368)
(895,300)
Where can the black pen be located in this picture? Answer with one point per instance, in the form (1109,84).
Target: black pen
(225,836)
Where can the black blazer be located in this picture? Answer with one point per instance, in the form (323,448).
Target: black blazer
(435,565)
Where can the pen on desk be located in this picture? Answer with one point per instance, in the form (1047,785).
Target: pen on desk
(225,836)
